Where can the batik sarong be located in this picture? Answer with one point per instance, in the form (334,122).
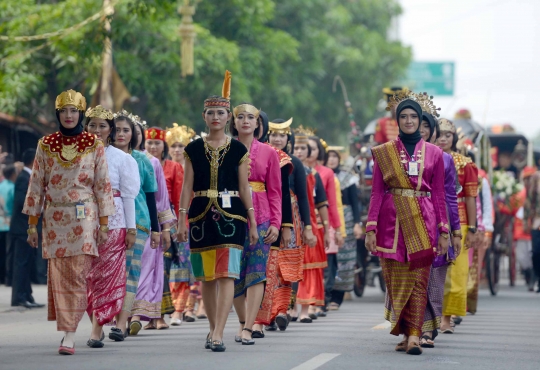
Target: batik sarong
(67,290)
(107,278)
(179,278)
(133,269)
(346,256)
(264,316)
(406,296)
(253,262)
(472,284)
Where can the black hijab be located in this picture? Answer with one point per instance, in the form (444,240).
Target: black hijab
(410,140)
(71,131)
(263,121)
(432,123)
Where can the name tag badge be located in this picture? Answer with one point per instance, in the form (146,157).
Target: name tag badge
(79,208)
(226,199)
(413,168)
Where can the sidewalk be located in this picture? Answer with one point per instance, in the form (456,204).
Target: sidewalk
(39,293)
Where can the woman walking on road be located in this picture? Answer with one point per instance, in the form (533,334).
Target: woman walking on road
(407,208)
(218,213)
(107,278)
(70,183)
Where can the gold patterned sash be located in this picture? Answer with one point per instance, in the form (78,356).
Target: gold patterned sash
(408,212)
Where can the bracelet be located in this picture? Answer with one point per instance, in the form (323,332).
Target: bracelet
(308,227)
(325,222)
(31,230)
(165,230)
(445,235)
(471,226)
(183,210)
(251,209)
(132,231)
(104,228)
(370,232)
(457,233)
(156,233)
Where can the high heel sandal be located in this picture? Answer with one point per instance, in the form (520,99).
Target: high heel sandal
(248,342)
(238,338)
(208,343)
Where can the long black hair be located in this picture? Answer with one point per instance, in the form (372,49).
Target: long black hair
(322,152)
(289,145)
(133,141)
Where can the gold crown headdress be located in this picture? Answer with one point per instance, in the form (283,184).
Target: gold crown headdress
(99,112)
(179,134)
(426,103)
(447,125)
(302,134)
(280,128)
(246,108)
(133,117)
(71,97)
(400,96)
(225,100)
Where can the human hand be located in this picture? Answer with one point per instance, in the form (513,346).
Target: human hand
(309,238)
(155,240)
(442,245)
(358,231)
(33,240)
(253,235)
(130,240)
(456,243)
(182,234)
(271,235)
(166,238)
(286,236)
(338,238)
(102,237)
(371,242)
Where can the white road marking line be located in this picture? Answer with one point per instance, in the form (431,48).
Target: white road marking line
(316,361)
(384,325)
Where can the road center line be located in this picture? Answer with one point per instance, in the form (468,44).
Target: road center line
(316,361)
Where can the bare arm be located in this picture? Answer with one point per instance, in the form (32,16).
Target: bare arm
(245,194)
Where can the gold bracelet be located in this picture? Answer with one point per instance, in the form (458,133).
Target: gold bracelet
(104,228)
(325,222)
(370,232)
(445,235)
(31,230)
(183,210)
(156,233)
(251,209)
(308,227)
(165,230)
(132,231)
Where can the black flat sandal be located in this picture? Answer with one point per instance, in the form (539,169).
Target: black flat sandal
(93,343)
(271,327)
(257,334)
(117,335)
(237,338)
(217,346)
(248,342)
(208,344)
(282,322)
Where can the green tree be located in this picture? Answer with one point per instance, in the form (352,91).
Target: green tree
(283,56)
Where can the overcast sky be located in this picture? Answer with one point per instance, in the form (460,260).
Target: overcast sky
(496,47)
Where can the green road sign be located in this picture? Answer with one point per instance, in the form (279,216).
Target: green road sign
(435,78)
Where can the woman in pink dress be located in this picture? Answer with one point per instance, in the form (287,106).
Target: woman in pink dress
(407,208)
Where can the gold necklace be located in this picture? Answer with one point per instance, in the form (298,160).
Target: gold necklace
(69,152)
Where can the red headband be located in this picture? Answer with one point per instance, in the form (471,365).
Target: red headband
(155,134)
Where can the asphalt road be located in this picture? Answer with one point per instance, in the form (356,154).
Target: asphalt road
(502,335)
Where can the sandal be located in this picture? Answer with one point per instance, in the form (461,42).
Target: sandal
(282,322)
(149,326)
(306,320)
(93,343)
(237,338)
(208,343)
(135,327)
(257,334)
(402,346)
(248,342)
(189,318)
(426,342)
(162,327)
(449,330)
(117,335)
(217,346)
(333,306)
(63,350)
(414,349)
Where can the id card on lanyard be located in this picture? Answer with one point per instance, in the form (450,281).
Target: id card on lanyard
(226,199)
(413,168)
(79,210)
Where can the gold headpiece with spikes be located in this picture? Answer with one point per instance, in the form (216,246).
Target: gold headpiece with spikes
(302,134)
(324,144)
(71,97)
(246,108)
(447,125)
(225,100)
(426,103)
(99,112)
(280,128)
(133,117)
(179,134)
(400,96)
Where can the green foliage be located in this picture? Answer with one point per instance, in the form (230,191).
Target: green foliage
(283,55)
